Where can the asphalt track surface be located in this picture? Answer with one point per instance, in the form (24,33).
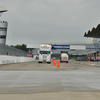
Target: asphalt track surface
(30,80)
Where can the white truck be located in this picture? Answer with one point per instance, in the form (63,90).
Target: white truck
(64,56)
(44,53)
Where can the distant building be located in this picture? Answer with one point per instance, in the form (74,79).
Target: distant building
(3,32)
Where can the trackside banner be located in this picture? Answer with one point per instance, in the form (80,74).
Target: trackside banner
(60,46)
(29,55)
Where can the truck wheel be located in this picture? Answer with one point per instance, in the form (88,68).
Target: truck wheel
(39,62)
(49,62)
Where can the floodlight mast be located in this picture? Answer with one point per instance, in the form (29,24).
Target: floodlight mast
(1,11)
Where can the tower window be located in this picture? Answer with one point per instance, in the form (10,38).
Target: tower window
(3,29)
(2,36)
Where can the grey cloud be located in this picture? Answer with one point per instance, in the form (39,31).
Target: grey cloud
(31,21)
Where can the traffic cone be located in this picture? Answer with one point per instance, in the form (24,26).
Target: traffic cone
(58,65)
(88,60)
(54,62)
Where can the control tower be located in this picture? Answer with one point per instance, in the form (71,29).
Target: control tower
(3,29)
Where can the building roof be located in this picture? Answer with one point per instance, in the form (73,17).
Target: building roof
(3,10)
(94,33)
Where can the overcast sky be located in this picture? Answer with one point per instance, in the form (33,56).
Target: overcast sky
(38,21)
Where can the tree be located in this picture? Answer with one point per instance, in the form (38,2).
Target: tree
(22,47)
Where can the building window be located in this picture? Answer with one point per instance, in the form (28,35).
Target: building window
(2,37)
(3,29)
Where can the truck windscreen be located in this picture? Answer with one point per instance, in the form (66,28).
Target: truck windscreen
(44,52)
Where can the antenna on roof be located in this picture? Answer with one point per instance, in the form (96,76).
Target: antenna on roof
(1,11)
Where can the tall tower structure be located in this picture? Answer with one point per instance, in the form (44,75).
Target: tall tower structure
(3,29)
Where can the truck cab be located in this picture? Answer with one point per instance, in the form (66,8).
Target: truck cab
(44,53)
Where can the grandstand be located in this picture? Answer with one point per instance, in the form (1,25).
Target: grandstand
(7,50)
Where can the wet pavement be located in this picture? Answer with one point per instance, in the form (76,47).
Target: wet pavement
(34,78)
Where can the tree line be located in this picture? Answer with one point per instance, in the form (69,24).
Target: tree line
(21,47)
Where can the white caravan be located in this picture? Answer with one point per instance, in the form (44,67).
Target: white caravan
(44,53)
(64,56)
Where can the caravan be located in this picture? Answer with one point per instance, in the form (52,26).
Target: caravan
(64,56)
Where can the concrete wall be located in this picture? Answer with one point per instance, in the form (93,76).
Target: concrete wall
(13,59)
